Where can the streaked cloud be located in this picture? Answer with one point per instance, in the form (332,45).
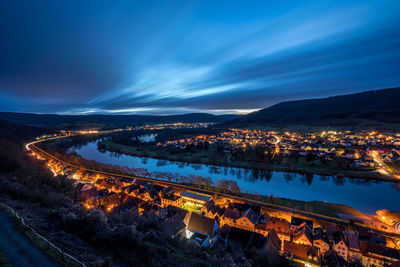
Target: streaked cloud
(191,56)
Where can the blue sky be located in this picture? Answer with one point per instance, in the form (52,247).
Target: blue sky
(173,57)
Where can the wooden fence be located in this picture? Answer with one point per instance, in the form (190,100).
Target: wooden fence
(63,253)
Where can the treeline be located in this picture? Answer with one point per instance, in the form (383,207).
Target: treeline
(257,153)
(173,134)
(130,138)
(20,133)
(12,139)
(62,145)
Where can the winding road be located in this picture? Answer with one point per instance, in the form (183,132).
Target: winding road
(17,248)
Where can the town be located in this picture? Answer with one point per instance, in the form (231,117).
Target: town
(220,222)
(363,150)
(217,221)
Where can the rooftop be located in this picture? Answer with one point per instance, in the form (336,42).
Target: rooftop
(196,196)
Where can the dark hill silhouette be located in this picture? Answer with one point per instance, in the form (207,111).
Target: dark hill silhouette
(85,121)
(377,105)
(17,133)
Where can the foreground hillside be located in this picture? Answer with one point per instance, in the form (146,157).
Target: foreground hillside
(378,108)
(85,121)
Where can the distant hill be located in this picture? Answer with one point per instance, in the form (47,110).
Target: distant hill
(374,107)
(16,132)
(85,121)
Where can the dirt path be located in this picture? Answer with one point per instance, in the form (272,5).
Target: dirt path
(18,250)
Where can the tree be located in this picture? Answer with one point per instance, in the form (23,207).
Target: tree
(199,145)
(220,147)
(310,156)
(259,152)
(223,185)
(234,187)
(206,145)
(352,225)
(309,178)
(271,199)
(207,182)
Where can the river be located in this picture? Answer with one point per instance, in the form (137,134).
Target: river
(364,195)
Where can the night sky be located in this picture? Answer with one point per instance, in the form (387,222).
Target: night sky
(173,57)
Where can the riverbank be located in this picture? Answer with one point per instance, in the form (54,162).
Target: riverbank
(319,207)
(316,209)
(214,158)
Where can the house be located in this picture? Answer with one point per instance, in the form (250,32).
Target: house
(264,218)
(171,199)
(303,253)
(145,194)
(243,207)
(147,207)
(210,209)
(229,217)
(272,242)
(281,226)
(131,190)
(378,255)
(87,192)
(131,204)
(112,200)
(143,184)
(116,186)
(194,199)
(354,253)
(103,183)
(300,222)
(127,181)
(218,242)
(371,237)
(260,228)
(237,237)
(200,239)
(170,211)
(173,226)
(339,245)
(332,259)
(320,240)
(331,229)
(248,220)
(303,236)
(203,225)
